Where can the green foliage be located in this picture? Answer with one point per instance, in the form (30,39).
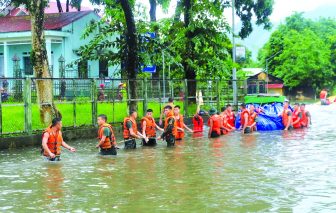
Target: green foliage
(308,52)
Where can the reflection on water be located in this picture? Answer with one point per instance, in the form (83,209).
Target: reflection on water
(263,171)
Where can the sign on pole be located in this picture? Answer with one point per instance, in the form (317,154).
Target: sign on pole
(240,54)
(149,68)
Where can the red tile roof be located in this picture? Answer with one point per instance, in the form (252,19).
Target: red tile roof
(51,9)
(53,21)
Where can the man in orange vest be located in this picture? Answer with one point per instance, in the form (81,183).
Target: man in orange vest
(254,118)
(215,123)
(149,127)
(52,141)
(245,118)
(170,129)
(306,117)
(230,116)
(131,131)
(180,123)
(198,119)
(224,118)
(170,103)
(287,119)
(297,116)
(323,97)
(107,142)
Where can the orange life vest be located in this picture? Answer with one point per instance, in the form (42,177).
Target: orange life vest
(54,142)
(242,119)
(224,119)
(285,117)
(252,117)
(216,123)
(180,123)
(304,119)
(295,118)
(150,127)
(323,94)
(198,125)
(127,134)
(109,140)
(231,118)
(174,130)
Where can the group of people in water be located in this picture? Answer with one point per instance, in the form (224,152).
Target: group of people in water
(174,127)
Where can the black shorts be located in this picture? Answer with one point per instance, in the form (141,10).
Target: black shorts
(57,158)
(111,151)
(214,134)
(170,140)
(130,143)
(151,142)
(289,128)
(247,130)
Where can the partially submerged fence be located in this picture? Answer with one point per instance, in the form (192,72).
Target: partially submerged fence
(80,101)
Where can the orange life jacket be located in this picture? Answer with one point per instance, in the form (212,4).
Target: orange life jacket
(174,130)
(295,118)
(242,119)
(198,125)
(150,127)
(127,134)
(109,140)
(252,117)
(224,119)
(304,119)
(216,123)
(180,123)
(54,142)
(231,118)
(285,117)
(323,94)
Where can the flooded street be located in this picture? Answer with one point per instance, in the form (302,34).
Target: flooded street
(263,171)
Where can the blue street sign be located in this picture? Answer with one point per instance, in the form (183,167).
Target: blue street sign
(149,68)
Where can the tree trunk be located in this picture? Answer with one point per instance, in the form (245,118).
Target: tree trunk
(67,6)
(59,6)
(131,53)
(152,11)
(189,71)
(39,59)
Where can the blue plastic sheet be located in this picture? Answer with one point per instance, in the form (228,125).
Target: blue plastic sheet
(268,119)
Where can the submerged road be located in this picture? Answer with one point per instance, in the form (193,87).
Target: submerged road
(263,171)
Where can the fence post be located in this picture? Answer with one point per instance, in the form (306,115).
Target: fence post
(185,97)
(172,88)
(145,100)
(263,87)
(74,101)
(94,102)
(218,95)
(257,83)
(245,87)
(27,106)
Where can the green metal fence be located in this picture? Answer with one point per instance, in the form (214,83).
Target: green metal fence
(80,101)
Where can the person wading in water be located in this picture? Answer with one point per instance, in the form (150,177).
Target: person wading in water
(245,119)
(180,123)
(107,142)
(131,131)
(52,141)
(286,115)
(170,128)
(148,127)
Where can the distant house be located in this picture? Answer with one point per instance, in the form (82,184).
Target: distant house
(62,33)
(273,85)
(21,10)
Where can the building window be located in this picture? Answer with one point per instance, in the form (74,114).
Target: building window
(28,66)
(103,69)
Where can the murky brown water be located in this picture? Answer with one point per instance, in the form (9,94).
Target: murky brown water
(260,172)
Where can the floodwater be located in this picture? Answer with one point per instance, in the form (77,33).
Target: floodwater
(260,172)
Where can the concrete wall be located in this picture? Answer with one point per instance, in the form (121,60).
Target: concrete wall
(300,93)
(68,135)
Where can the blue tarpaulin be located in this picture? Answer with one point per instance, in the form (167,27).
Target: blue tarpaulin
(268,119)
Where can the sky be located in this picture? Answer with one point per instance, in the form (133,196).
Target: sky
(282,8)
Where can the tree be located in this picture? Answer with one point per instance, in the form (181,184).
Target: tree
(74,3)
(305,61)
(39,58)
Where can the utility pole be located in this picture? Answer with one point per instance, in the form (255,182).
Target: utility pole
(234,75)
(267,65)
